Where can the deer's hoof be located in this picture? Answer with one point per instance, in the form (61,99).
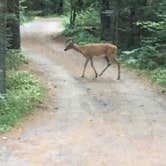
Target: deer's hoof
(100,75)
(95,77)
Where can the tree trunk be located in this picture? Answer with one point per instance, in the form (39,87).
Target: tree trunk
(116,40)
(105,20)
(73,17)
(13,23)
(60,10)
(2,44)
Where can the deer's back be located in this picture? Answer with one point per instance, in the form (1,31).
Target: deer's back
(99,49)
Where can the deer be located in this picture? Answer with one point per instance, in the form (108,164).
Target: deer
(106,50)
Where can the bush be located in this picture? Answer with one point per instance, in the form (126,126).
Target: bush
(28,16)
(14,59)
(144,58)
(84,19)
(88,17)
(84,37)
(23,93)
(159,76)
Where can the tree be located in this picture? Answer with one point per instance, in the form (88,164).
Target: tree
(76,6)
(2,44)
(119,17)
(105,19)
(59,7)
(13,23)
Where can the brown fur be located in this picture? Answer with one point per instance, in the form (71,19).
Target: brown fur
(109,51)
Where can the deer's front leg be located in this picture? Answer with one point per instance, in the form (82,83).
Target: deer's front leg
(85,65)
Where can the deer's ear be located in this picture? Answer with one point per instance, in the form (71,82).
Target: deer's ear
(70,40)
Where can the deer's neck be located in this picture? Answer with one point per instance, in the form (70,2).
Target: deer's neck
(78,49)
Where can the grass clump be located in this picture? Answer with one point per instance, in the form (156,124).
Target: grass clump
(14,59)
(23,92)
(159,76)
(148,61)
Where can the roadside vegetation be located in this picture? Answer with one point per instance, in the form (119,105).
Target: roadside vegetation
(20,91)
(150,56)
(83,23)
(23,92)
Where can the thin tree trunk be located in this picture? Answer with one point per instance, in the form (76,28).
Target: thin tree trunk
(105,20)
(117,28)
(2,44)
(73,17)
(13,23)
(61,3)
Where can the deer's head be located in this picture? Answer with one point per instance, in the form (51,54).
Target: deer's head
(69,44)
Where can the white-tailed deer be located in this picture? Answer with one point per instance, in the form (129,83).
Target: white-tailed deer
(108,51)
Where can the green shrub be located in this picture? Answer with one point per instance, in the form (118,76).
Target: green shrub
(84,37)
(84,19)
(159,76)
(88,17)
(149,60)
(14,59)
(144,58)
(70,31)
(23,93)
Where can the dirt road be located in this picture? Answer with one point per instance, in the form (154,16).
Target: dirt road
(85,122)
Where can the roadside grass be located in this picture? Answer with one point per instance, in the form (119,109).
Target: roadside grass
(159,76)
(145,63)
(156,76)
(23,93)
(26,17)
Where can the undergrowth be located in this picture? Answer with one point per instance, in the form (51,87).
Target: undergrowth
(23,93)
(15,58)
(148,60)
(78,32)
(28,16)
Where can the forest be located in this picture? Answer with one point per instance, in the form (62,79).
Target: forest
(82,82)
(137,27)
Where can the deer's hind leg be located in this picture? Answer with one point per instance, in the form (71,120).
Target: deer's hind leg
(108,65)
(118,65)
(92,65)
